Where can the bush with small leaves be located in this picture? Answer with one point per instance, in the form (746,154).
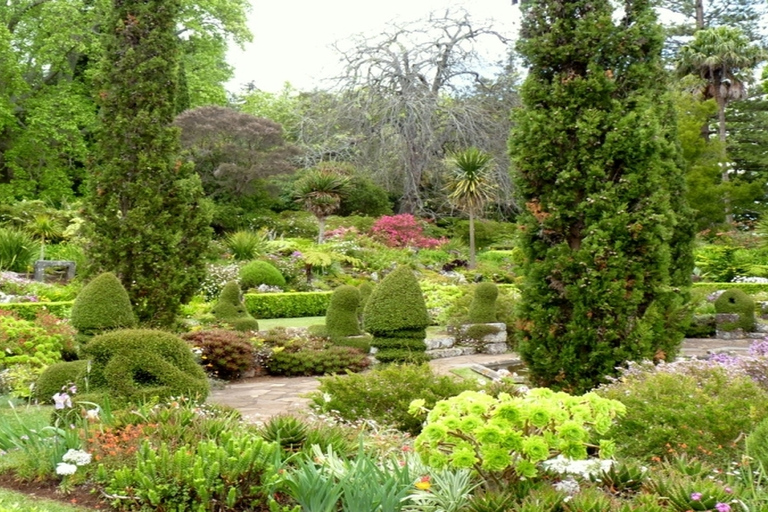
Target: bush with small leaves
(316,362)
(482,310)
(102,305)
(396,316)
(259,272)
(341,317)
(137,364)
(225,354)
(736,301)
(230,309)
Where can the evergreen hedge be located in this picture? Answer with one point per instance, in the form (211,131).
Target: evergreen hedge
(287,305)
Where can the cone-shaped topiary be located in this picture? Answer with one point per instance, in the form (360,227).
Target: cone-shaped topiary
(259,272)
(341,317)
(137,364)
(231,309)
(736,301)
(482,310)
(397,317)
(102,305)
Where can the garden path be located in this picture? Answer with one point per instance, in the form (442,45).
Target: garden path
(260,398)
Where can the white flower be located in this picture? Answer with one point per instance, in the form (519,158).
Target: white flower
(568,486)
(77,457)
(326,397)
(64,469)
(93,414)
(61,401)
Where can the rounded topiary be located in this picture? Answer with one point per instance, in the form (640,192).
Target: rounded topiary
(57,376)
(735,301)
(230,309)
(397,317)
(396,303)
(138,364)
(259,272)
(341,317)
(482,310)
(102,305)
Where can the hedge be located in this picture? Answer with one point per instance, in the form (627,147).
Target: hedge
(28,310)
(748,288)
(287,305)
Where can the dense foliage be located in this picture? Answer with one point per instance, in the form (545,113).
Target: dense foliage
(147,217)
(596,171)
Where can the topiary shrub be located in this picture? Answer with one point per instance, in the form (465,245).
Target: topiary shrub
(259,272)
(102,305)
(482,310)
(366,289)
(735,301)
(57,376)
(396,316)
(225,354)
(325,361)
(341,317)
(139,364)
(230,309)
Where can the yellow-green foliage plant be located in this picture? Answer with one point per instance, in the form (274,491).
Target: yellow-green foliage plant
(230,309)
(503,438)
(102,305)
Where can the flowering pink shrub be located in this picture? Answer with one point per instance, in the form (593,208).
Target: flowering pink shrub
(403,230)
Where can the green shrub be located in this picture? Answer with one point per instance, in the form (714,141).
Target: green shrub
(341,317)
(757,444)
(259,272)
(244,245)
(365,289)
(458,312)
(333,359)
(29,310)
(384,394)
(689,408)
(101,305)
(230,309)
(397,304)
(287,305)
(232,473)
(701,326)
(137,364)
(225,354)
(487,232)
(482,310)
(17,250)
(748,288)
(735,301)
(58,375)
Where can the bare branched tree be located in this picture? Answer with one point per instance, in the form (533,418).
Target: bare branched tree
(403,100)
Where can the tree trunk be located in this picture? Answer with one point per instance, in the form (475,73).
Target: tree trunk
(721,101)
(699,14)
(321,230)
(472,261)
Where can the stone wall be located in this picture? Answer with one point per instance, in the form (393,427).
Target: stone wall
(460,344)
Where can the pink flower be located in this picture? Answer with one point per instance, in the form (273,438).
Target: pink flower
(696,496)
(723,507)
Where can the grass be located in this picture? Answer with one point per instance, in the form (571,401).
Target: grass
(469,374)
(271,323)
(18,502)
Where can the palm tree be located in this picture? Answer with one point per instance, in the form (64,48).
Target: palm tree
(320,192)
(722,57)
(470,187)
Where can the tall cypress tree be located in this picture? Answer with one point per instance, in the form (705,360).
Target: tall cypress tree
(148,218)
(596,167)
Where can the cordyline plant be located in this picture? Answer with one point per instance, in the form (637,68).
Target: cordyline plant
(504,438)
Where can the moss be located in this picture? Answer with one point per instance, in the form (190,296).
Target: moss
(482,310)
(138,364)
(230,309)
(735,301)
(259,272)
(341,317)
(57,376)
(103,304)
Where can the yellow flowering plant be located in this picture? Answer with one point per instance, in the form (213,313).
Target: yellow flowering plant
(504,438)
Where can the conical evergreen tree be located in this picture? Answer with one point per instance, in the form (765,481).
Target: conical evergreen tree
(148,219)
(596,168)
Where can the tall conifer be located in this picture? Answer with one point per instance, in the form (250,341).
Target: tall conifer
(148,219)
(596,169)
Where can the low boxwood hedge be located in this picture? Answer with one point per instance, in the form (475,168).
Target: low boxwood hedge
(287,305)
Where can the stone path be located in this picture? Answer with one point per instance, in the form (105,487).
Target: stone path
(260,398)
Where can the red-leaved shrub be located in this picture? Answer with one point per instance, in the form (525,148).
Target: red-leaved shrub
(403,230)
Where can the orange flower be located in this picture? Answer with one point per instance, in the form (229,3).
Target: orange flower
(423,483)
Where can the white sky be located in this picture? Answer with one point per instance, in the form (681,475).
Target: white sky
(292,38)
